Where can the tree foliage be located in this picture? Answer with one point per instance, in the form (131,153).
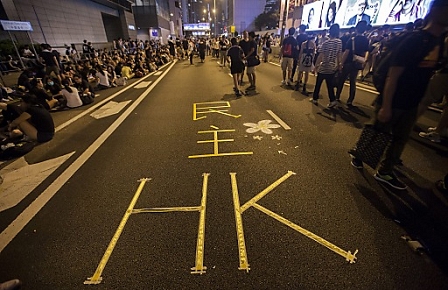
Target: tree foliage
(266,20)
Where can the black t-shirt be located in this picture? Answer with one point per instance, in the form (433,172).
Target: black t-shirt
(41,119)
(289,47)
(419,64)
(361,47)
(252,45)
(48,57)
(235,53)
(344,39)
(222,45)
(244,46)
(301,38)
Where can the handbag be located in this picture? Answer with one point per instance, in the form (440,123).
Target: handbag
(371,145)
(253,61)
(359,61)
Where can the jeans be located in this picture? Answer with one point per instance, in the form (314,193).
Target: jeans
(329,81)
(222,57)
(352,71)
(400,125)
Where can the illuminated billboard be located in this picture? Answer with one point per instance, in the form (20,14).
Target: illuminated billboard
(203,26)
(311,15)
(348,13)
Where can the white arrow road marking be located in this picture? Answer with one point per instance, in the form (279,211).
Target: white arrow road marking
(142,85)
(14,188)
(109,109)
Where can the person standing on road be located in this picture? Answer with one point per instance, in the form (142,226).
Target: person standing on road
(191,49)
(288,56)
(235,57)
(327,63)
(306,56)
(413,64)
(223,46)
(301,38)
(244,44)
(357,45)
(251,54)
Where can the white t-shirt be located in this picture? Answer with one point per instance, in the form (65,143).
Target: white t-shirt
(104,79)
(73,99)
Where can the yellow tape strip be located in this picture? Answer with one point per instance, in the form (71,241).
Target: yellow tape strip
(96,278)
(199,267)
(220,154)
(266,191)
(349,257)
(244,262)
(166,209)
(226,114)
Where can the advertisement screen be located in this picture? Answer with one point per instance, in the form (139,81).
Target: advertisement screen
(311,15)
(348,13)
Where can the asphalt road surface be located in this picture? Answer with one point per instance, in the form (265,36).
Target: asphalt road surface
(173,183)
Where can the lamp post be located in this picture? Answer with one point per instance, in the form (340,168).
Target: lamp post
(214,13)
(285,12)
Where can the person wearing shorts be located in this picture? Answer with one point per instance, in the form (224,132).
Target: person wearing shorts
(235,57)
(287,54)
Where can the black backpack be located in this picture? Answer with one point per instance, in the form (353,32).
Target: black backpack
(388,52)
(307,60)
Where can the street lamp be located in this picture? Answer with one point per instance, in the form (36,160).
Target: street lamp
(214,13)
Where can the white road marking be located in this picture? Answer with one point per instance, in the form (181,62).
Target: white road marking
(230,75)
(14,190)
(142,85)
(25,217)
(158,73)
(85,112)
(280,121)
(109,109)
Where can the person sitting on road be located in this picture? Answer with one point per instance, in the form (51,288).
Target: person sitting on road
(103,77)
(112,75)
(83,86)
(126,71)
(43,98)
(71,95)
(35,121)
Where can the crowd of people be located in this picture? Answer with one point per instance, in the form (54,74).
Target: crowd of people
(416,76)
(51,81)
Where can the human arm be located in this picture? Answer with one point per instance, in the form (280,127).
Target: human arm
(385,112)
(17,121)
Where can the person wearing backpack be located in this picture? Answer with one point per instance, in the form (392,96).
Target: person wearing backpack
(410,66)
(306,56)
(287,55)
(355,48)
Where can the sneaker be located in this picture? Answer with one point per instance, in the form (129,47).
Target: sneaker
(283,82)
(288,83)
(432,136)
(332,104)
(251,88)
(443,134)
(313,101)
(349,105)
(355,162)
(391,180)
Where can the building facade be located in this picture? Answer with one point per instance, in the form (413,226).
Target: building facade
(59,22)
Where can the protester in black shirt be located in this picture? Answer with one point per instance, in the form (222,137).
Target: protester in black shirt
(301,38)
(350,67)
(35,121)
(412,65)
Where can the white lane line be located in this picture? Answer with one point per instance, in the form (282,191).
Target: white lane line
(25,217)
(280,121)
(93,108)
(143,85)
(277,64)
(158,73)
